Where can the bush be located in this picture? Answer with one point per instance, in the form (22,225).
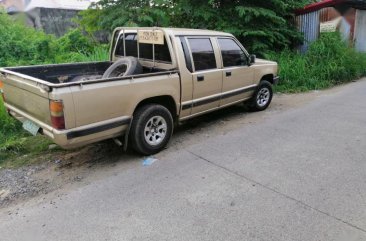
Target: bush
(22,45)
(328,62)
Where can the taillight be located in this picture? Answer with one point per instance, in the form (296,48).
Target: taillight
(57,114)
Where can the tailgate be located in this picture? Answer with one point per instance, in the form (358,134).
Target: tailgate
(27,96)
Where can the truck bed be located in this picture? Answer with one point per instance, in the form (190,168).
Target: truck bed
(62,73)
(56,74)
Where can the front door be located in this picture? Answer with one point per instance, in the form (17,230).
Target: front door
(207,78)
(238,76)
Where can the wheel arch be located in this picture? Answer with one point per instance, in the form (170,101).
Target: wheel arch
(165,100)
(268,77)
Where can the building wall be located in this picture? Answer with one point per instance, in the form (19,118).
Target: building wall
(11,5)
(309,25)
(53,21)
(330,13)
(360,31)
(352,26)
(52,16)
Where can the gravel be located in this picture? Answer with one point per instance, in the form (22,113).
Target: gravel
(20,183)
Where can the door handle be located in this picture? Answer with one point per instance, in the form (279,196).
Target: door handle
(228,74)
(200,78)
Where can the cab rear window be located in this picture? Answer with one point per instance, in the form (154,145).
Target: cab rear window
(146,50)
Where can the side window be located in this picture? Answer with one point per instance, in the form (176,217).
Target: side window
(187,56)
(203,53)
(232,54)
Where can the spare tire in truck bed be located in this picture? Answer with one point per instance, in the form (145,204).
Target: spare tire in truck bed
(85,78)
(124,67)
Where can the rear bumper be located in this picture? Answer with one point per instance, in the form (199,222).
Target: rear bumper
(276,80)
(77,137)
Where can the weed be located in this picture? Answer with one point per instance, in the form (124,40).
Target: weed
(328,62)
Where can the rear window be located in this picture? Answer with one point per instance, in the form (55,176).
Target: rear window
(146,50)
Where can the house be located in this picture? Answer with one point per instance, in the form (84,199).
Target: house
(12,6)
(52,16)
(346,16)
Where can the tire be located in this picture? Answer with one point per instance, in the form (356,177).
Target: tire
(147,120)
(123,67)
(262,97)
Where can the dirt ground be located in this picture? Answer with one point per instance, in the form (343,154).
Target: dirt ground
(83,166)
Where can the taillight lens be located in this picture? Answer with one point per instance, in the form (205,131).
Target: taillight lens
(57,114)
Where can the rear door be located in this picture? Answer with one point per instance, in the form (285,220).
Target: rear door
(207,77)
(238,76)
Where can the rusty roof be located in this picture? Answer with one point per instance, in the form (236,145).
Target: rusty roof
(359,4)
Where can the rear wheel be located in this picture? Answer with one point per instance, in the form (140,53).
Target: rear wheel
(151,129)
(262,98)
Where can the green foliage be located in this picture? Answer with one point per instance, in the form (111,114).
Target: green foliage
(21,45)
(261,25)
(328,62)
(109,14)
(75,41)
(10,133)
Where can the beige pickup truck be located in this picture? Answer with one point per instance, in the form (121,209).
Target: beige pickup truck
(156,77)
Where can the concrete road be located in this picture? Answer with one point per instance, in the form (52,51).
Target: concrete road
(297,174)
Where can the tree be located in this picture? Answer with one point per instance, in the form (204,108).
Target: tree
(109,14)
(261,25)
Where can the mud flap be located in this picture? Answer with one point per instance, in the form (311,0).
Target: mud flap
(125,146)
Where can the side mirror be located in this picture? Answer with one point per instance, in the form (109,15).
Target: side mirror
(252,59)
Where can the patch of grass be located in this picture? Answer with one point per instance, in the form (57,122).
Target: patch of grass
(328,62)
(20,151)
(10,133)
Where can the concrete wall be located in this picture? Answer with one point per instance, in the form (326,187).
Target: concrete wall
(52,21)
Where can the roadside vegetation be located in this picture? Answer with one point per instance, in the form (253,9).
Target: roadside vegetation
(329,62)
(262,26)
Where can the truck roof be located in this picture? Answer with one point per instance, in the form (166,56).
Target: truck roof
(180,31)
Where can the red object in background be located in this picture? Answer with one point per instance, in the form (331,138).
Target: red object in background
(319,5)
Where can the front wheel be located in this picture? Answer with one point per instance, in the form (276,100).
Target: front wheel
(151,129)
(262,98)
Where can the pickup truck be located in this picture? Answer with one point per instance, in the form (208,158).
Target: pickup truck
(155,79)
